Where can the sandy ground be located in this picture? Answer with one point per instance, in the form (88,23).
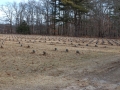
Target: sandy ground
(89,64)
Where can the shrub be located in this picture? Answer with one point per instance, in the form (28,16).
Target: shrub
(23,28)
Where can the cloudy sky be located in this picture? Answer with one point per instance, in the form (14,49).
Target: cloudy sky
(2,2)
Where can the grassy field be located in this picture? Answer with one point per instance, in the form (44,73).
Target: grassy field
(33,62)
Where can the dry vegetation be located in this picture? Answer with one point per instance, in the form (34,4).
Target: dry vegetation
(29,62)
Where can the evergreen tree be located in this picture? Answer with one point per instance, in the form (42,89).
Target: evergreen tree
(75,4)
(67,11)
(77,7)
(23,28)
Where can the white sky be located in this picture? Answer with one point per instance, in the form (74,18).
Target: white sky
(2,2)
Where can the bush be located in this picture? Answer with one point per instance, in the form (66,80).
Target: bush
(23,28)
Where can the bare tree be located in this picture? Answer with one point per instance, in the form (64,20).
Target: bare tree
(8,14)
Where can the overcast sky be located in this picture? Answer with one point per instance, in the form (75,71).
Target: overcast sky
(2,2)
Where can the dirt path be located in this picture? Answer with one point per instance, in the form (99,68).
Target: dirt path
(106,76)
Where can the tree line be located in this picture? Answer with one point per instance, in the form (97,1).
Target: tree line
(79,18)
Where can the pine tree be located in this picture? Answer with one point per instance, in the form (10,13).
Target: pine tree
(78,8)
(23,28)
(75,4)
(67,11)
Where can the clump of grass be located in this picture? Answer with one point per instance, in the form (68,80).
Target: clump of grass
(1,47)
(44,53)
(96,46)
(67,50)
(28,46)
(71,43)
(105,47)
(75,46)
(77,52)
(55,49)
(33,52)
(86,44)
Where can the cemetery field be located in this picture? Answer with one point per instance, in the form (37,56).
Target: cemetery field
(34,62)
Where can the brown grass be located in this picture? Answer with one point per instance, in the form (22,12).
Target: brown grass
(19,68)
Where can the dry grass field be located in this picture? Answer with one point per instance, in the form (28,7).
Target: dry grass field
(34,62)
